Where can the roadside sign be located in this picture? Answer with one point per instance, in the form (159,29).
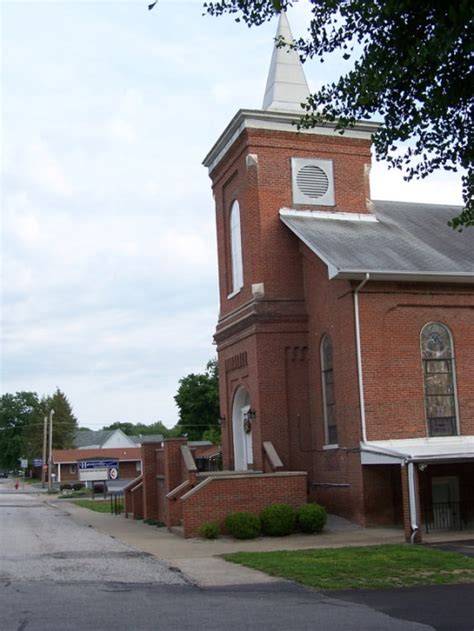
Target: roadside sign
(98,470)
(37,462)
(23,463)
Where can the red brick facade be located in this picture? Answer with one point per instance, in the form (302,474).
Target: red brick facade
(270,344)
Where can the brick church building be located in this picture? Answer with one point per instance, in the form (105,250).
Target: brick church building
(346,328)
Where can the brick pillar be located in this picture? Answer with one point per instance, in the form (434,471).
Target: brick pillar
(173,471)
(149,472)
(406,504)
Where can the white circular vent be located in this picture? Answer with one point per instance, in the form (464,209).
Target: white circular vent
(312,181)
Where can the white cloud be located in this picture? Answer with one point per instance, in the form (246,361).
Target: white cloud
(109,255)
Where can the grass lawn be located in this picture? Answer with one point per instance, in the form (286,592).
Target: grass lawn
(100,506)
(370,567)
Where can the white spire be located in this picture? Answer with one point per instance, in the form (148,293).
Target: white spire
(286,87)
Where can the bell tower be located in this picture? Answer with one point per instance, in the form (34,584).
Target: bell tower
(260,165)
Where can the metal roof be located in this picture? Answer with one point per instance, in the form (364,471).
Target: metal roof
(445,448)
(402,240)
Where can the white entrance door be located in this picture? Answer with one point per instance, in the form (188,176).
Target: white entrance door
(445,494)
(243,453)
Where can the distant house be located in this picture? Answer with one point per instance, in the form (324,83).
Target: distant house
(123,463)
(119,453)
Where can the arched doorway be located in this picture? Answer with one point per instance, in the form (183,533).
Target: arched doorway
(242,433)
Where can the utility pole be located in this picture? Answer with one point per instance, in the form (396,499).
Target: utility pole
(50,459)
(45,434)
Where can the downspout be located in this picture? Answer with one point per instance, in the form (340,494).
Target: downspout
(412,501)
(359,358)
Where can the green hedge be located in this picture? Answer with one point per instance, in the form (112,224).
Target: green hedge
(278,520)
(243,525)
(311,518)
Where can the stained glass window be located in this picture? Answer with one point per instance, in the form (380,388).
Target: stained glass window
(439,380)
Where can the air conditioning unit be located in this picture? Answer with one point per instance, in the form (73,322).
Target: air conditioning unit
(313,182)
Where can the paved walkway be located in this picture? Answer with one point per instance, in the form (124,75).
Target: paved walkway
(199,559)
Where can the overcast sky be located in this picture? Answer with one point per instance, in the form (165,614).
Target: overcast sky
(109,287)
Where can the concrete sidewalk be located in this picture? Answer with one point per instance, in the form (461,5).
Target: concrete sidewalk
(198,559)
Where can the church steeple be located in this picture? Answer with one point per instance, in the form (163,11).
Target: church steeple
(286,87)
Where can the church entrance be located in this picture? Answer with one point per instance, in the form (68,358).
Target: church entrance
(242,431)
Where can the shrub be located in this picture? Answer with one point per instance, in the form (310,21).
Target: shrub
(65,486)
(243,525)
(209,530)
(311,518)
(78,486)
(278,520)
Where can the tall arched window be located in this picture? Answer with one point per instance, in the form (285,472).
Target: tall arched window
(439,380)
(236,248)
(329,401)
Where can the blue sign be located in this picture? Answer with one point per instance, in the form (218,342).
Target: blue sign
(89,465)
(37,462)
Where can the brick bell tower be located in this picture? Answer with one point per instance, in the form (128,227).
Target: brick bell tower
(260,165)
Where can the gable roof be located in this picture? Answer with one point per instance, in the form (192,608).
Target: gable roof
(89,437)
(401,241)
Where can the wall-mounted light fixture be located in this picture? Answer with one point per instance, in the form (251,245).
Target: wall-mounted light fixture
(221,420)
(422,467)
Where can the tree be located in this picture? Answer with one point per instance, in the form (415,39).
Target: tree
(413,68)
(19,414)
(64,421)
(198,402)
(135,429)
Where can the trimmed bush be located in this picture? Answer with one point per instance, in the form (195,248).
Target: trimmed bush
(278,520)
(65,486)
(78,486)
(311,518)
(243,525)
(209,530)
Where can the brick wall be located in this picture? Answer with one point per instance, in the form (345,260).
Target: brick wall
(392,316)
(221,495)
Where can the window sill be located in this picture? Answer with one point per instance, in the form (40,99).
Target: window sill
(328,447)
(234,293)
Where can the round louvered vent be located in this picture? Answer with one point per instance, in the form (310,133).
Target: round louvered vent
(312,181)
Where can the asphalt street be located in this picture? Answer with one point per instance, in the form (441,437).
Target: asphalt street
(58,574)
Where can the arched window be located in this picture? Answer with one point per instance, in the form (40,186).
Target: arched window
(439,380)
(329,401)
(236,248)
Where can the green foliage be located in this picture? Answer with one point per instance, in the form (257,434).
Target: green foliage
(412,67)
(243,525)
(135,429)
(198,402)
(99,506)
(213,435)
(311,518)
(20,417)
(64,421)
(278,520)
(209,530)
